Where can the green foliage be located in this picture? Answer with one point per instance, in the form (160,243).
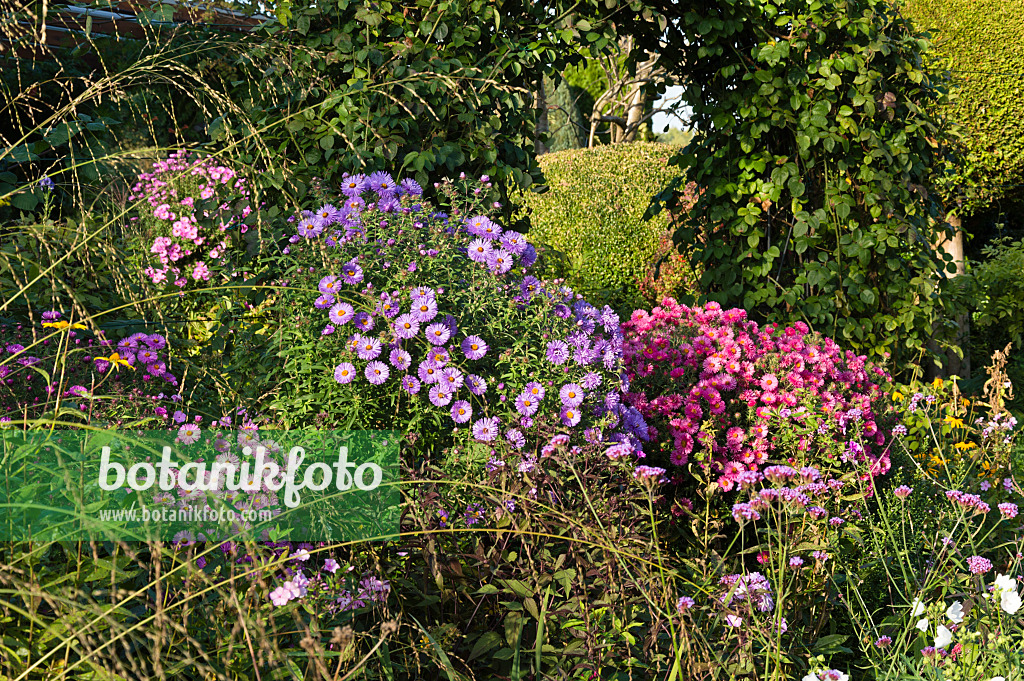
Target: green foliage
(422,88)
(982,43)
(566,127)
(996,287)
(815,144)
(592,215)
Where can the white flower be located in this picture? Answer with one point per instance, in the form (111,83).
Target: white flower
(810,677)
(997,678)
(943,636)
(1005,583)
(917,607)
(1010,602)
(1006,589)
(922,624)
(955,612)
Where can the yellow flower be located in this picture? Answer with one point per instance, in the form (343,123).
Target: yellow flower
(116,361)
(897,397)
(937,384)
(61,325)
(964,446)
(955,422)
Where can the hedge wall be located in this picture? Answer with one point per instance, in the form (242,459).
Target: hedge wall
(591,219)
(982,43)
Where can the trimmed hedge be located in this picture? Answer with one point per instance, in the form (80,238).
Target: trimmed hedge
(591,219)
(982,43)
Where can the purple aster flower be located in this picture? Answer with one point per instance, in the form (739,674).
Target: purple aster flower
(328,214)
(500,261)
(420,292)
(474,347)
(561,311)
(440,395)
(387,307)
(480,250)
(591,380)
(180,417)
(410,187)
(344,373)
(438,334)
(156,342)
(513,242)
(428,373)
(483,227)
(570,416)
(411,384)
(477,385)
(528,257)
(536,389)
(424,309)
(147,356)
(354,204)
(352,273)
(327,330)
(363,321)
(309,228)
(406,326)
(353,185)
(474,514)
(462,411)
(516,438)
(340,314)
(527,404)
(377,372)
(369,348)
(400,359)
(486,429)
(439,356)
(323,302)
(571,394)
(684,603)
(452,377)
(557,352)
(382,183)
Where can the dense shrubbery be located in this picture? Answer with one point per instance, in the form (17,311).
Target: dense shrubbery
(592,216)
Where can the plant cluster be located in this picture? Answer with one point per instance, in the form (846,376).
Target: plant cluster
(409,314)
(194,207)
(717,389)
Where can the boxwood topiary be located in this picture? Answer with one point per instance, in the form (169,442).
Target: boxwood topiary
(591,216)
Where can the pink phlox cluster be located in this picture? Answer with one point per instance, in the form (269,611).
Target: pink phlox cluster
(708,378)
(194,233)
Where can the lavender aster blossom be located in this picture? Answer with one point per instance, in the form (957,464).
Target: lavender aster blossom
(571,394)
(440,395)
(480,250)
(486,429)
(352,273)
(369,348)
(477,385)
(474,347)
(344,373)
(452,378)
(340,314)
(527,404)
(462,411)
(424,309)
(406,326)
(382,183)
(570,416)
(535,389)
(323,302)
(377,372)
(410,187)
(516,438)
(428,373)
(438,334)
(353,185)
(363,321)
(400,359)
(411,384)
(557,352)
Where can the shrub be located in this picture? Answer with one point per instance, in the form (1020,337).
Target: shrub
(593,215)
(398,316)
(197,211)
(719,390)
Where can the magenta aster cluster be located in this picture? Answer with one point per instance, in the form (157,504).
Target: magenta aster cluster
(193,204)
(709,380)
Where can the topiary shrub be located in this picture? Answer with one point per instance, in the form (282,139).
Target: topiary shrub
(592,215)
